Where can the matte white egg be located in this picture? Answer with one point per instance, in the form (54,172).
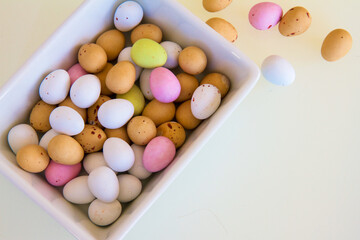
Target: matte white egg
(129,188)
(66,120)
(94,160)
(278,70)
(138,169)
(125,55)
(128,15)
(118,154)
(102,213)
(85,91)
(55,87)
(46,138)
(104,184)
(77,191)
(145,84)
(205,101)
(115,113)
(173,51)
(22,135)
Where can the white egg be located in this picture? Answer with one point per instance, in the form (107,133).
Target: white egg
(46,138)
(125,55)
(102,213)
(129,188)
(94,160)
(22,135)
(77,191)
(118,154)
(55,87)
(85,91)
(104,184)
(278,70)
(173,51)
(138,169)
(128,15)
(205,101)
(115,113)
(145,84)
(66,120)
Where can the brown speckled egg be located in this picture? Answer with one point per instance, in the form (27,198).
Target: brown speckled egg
(102,77)
(188,85)
(174,131)
(146,30)
(141,130)
(336,45)
(66,150)
(39,116)
(215,5)
(92,112)
(224,28)
(92,57)
(218,80)
(185,117)
(121,77)
(32,158)
(112,41)
(296,21)
(119,133)
(91,139)
(159,112)
(68,103)
(192,60)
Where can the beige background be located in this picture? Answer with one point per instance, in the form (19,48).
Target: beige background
(285,165)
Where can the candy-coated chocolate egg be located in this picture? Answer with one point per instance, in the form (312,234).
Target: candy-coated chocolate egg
(92,112)
(85,91)
(92,57)
(128,15)
(104,213)
(336,45)
(66,150)
(185,117)
(172,51)
(159,112)
(46,138)
(205,101)
(129,188)
(295,22)
(66,120)
(39,116)
(75,72)
(125,55)
(121,77)
(265,15)
(118,154)
(136,97)
(101,177)
(224,28)
(112,41)
(192,60)
(278,70)
(173,131)
(55,87)
(94,160)
(148,54)
(91,139)
(77,191)
(164,85)
(119,133)
(115,113)
(141,130)
(158,154)
(22,135)
(68,103)
(218,80)
(145,84)
(32,158)
(215,5)
(138,169)
(59,174)
(146,30)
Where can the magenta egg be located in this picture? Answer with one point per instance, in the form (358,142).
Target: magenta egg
(58,174)
(158,154)
(265,15)
(75,72)
(164,85)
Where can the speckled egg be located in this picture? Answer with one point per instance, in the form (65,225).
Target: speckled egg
(112,41)
(146,30)
(92,57)
(128,15)
(91,139)
(39,116)
(125,55)
(141,130)
(104,213)
(174,131)
(295,22)
(192,60)
(336,45)
(55,87)
(172,51)
(32,158)
(205,101)
(265,15)
(92,112)
(219,80)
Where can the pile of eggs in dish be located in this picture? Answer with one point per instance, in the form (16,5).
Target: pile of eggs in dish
(100,127)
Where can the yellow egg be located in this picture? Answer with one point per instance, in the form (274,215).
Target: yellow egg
(121,77)
(39,116)
(136,97)
(159,112)
(336,45)
(32,158)
(218,80)
(92,57)
(141,130)
(66,150)
(91,139)
(174,131)
(296,21)
(147,30)
(112,41)
(224,28)
(192,60)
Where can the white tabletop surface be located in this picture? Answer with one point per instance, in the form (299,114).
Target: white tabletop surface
(285,165)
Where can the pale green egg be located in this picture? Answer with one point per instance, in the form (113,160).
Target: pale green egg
(147,53)
(135,96)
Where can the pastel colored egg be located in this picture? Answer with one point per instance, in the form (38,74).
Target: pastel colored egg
(128,15)
(104,213)
(145,84)
(22,135)
(129,188)
(173,131)
(336,45)
(46,138)
(172,51)
(158,154)
(92,57)
(67,102)
(136,97)
(148,54)
(115,113)
(295,22)
(205,101)
(91,139)
(141,130)
(66,120)
(219,80)
(100,177)
(125,55)
(164,85)
(59,174)
(138,169)
(85,91)
(265,15)
(77,191)
(278,70)
(118,154)
(55,87)
(75,72)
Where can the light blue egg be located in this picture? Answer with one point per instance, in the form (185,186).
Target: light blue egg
(278,70)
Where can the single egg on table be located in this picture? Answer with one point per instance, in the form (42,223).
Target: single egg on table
(265,15)
(278,70)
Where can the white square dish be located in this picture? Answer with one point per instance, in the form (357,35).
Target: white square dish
(20,93)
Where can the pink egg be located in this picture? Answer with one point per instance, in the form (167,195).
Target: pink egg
(164,85)
(265,15)
(75,72)
(58,174)
(158,154)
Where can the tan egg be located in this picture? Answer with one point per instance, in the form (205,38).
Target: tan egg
(218,80)
(215,5)
(119,133)
(185,117)
(112,41)
(192,60)
(121,77)
(92,112)
(147,30)
(91,139)
(102,77)
(92,57)
(141,130)
(66,150)
(336,45)
(68,103)
(224,28)
(159,112)
(174,131)
(296,21)
(39,116)
(32,158)
(188,85)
